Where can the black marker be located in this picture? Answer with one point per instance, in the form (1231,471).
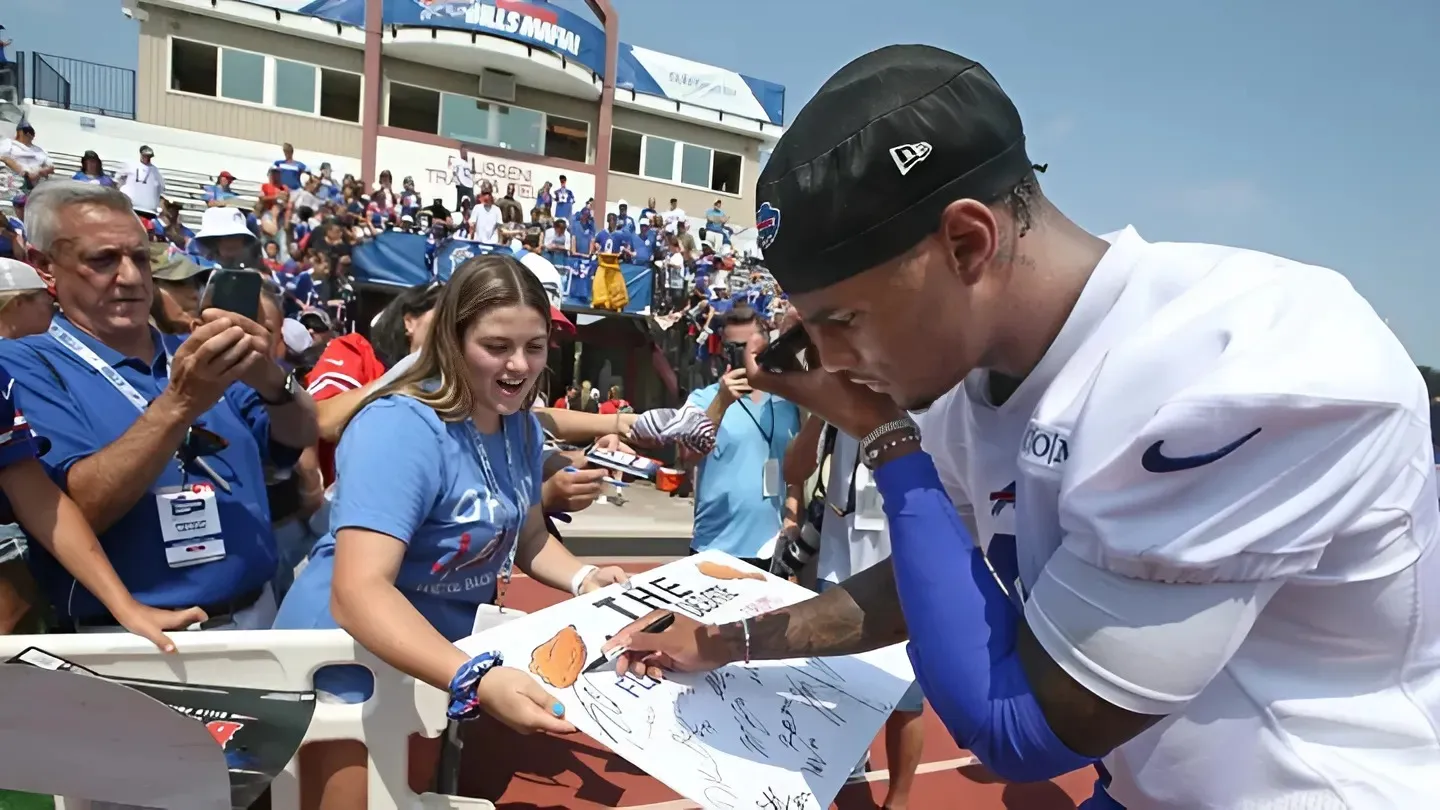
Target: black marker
(660,625)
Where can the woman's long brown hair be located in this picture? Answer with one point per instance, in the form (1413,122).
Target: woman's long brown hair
(477,286)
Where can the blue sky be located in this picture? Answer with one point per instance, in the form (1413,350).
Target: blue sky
(1307,129)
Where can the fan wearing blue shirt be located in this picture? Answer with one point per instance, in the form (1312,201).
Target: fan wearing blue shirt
(160,440)
(626,222)
(583,226)
(564,199)
(438,491)
(614,239)
(290,168)
(741,503)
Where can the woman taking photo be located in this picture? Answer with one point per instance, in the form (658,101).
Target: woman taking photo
(437,498)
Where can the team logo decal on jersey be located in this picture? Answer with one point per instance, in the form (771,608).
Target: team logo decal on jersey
(1045,445)
(767,224)
(1157,462)
(1002,498)
(458,560)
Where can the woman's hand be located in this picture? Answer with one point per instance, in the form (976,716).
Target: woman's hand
(571,489)
(603,577)
(614,443)
(520,702)
(150,623)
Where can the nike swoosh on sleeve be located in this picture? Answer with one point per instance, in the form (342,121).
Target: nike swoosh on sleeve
(1156,461)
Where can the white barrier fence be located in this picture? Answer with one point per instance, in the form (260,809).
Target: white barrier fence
(269,659)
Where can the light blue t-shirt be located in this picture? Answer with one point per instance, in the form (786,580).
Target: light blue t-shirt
(732,513)
(402,471)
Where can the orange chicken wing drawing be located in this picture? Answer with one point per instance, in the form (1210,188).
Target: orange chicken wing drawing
(560,660)
(716,570)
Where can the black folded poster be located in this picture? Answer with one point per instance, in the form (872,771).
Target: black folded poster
(259,729)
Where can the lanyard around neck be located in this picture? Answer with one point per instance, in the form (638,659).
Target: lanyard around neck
(91,359)
(763,434)
(492,482)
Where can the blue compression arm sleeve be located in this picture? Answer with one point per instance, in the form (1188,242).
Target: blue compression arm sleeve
(963,629)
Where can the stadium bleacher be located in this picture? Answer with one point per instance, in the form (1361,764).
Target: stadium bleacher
(185,188)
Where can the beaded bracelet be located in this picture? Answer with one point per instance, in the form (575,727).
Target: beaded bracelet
(464,687)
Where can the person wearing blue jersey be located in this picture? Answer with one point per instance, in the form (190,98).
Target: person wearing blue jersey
(290,168)
(613,239)
(437,501)
(564,199)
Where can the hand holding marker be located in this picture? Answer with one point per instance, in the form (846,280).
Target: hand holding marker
(660,625)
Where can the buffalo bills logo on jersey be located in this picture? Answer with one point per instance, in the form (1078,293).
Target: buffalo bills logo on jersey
(1002,498)
(767,224)
(462,558)
(479,515)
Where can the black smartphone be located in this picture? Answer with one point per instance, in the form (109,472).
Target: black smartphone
(790,352)
(236,291)
(735,354)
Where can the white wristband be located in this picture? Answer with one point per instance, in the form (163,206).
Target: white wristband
(578,581)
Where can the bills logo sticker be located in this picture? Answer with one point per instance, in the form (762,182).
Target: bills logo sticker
(767,224)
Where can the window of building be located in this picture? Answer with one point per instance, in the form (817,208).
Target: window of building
(625,149)
(725,172)
(567,138)
(194,67)
(694,165)
(486,123)
(413,108)
(339,95)
(659,158)
(685,164)
(295,85)
(242,76)
(269,81)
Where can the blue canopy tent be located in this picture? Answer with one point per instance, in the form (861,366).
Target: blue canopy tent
(400,260)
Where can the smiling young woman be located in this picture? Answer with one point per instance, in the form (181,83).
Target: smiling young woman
(438,499)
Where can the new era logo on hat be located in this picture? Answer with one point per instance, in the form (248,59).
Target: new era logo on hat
(909,155)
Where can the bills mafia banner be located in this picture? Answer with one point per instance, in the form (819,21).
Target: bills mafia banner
(575,37)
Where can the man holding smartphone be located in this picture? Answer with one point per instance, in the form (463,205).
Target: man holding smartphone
(741,504)
(160,440)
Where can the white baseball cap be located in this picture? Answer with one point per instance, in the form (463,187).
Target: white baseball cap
(17,276)
(297,338)
(223,221)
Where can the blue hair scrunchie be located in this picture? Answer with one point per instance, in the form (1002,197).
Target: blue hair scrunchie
(464,697)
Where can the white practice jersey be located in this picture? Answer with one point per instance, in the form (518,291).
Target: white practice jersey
(1222,482)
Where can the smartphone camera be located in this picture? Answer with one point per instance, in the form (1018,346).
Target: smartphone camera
(735,354)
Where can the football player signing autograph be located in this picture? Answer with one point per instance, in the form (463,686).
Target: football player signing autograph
(1169,509)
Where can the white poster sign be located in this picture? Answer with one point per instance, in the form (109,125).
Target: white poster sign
(701,84)
(782,734)
(430,166)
